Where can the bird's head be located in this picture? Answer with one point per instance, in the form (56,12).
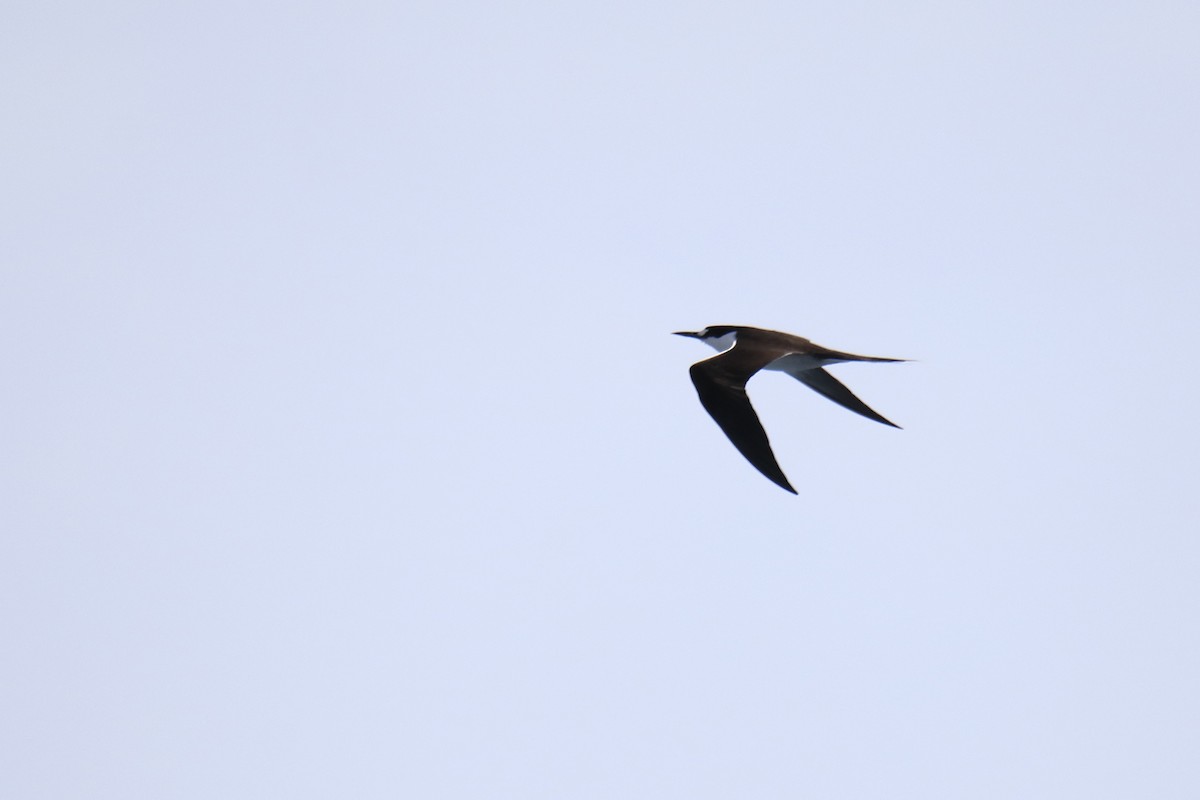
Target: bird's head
(718,337)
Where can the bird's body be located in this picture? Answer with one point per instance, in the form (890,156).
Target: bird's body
(742,351)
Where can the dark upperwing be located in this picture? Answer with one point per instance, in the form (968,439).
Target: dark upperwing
(721,384)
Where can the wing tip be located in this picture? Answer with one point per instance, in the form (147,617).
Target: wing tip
(779,480)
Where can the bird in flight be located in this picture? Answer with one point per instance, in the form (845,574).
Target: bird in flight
(742,351)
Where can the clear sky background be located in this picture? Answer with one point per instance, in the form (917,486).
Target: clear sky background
(347,451)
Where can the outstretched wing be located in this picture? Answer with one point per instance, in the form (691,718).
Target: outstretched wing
(825,384)
(724,398)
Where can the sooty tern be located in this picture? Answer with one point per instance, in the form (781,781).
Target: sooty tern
(742,351)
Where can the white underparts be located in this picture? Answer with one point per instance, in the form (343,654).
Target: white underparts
(721,343)
(796,362)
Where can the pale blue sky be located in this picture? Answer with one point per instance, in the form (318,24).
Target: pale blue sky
(349,454)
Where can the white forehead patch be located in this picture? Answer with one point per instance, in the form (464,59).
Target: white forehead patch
(720,343)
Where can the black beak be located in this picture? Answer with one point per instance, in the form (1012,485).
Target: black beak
(693,334)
